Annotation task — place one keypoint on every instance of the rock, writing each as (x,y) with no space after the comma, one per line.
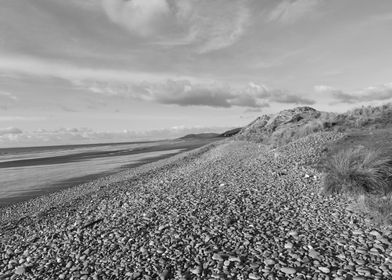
(374,233)
(197,270)
(20,270)
(234,259)
(254,276)
(288,245)
(217,257)
(288,270)
(314,254)
(269,262)
(324,269)
(164,275)
(293,233)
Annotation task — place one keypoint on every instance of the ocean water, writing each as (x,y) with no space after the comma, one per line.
(30,172)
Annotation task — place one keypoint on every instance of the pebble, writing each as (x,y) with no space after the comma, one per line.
(20,270)
(174,216)
(269,262)
(288,270)
(374,233)
(324,269)
(217,257)
(314,254)
(254,276)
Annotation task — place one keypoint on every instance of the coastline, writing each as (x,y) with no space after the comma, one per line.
(61,195)
(136,157)
(227,210)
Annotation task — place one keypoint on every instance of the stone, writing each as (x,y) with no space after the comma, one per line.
(254,276)
(288,270)
(314,254)
(217,257)
(197,270)
(269,262)
(20,270)
(324,269)
(374,233)
(288,245)
(234,259)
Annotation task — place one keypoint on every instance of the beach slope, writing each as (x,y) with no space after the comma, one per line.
(228,210)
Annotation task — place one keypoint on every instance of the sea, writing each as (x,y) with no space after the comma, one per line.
(29,172)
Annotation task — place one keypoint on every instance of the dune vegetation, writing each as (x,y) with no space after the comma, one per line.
(358,166)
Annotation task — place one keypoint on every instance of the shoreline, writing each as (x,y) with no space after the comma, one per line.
(61,195)
(227,210)
(56,186)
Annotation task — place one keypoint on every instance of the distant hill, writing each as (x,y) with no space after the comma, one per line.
(211,135)
(200,136)
(287,125)
(231,132)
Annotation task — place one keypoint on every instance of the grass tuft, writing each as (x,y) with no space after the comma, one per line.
(377,208)
(359,171)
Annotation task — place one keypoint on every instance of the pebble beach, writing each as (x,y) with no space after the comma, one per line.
(228,210)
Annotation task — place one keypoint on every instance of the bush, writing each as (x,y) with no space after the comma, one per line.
(358,171)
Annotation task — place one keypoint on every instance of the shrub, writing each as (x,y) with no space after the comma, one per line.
(358,171)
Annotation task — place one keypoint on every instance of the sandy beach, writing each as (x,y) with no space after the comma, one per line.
(228,210)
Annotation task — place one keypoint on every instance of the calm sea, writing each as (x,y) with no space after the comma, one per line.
(30,172)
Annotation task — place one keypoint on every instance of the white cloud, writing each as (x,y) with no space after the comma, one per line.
(8,95)
(204,24)
(290,11)
(19,118)
(28,65)
(188,93)
(139,16)
(13,137)
(10,131)
(372,93)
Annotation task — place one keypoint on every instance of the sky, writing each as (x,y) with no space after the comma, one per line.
(80,71)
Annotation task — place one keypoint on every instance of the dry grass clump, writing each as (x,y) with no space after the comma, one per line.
(377,208)
(366,116)
(323,122)
(359,171)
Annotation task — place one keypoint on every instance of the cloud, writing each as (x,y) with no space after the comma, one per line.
(188,93)
(290,11)
(204,24)
(20,118)
(372,93)
(139,16)
(11,64)
(289,98)
(8,95)
(10,131)
(13,137)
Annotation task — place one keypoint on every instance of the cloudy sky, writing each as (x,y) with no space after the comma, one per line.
(89,70)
